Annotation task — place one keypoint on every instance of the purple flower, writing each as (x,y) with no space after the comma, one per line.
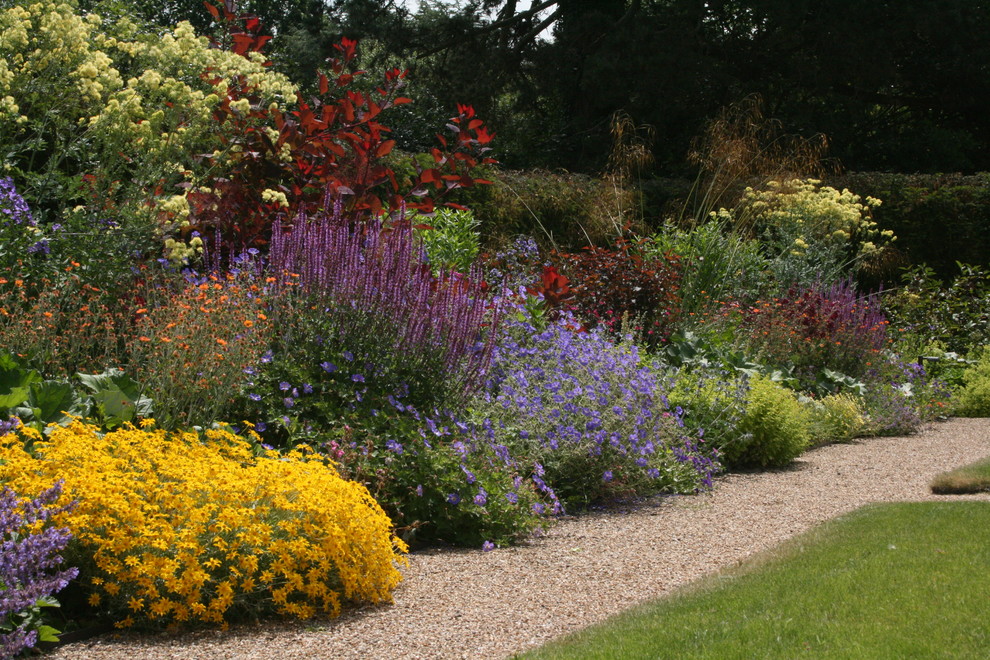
(357,378)
(27,562)
(260,427)
(254,396)
(512,497)
(328,367)
(267,357)
(487,546)
(307,388)
(607,476)
(284,386)
(454,498)
(40,247)
(288,402)
(394,446)
(481,499)
(419,490)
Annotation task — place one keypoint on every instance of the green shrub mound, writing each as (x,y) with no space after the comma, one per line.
(776,424)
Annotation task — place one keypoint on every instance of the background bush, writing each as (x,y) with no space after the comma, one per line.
(940,219)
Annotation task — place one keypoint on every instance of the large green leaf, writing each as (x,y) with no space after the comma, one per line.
(116,397)
(15,380)
(54,401)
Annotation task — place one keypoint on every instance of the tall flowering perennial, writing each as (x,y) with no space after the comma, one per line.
(191,342)
(819,327)
(594,419)
(811,232)
(443,321)
(29,559)
(174,528)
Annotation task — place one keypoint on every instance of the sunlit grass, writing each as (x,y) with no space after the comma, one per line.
(886,581)
(972,478)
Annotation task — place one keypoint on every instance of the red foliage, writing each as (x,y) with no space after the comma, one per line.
(336,146)
(611,284)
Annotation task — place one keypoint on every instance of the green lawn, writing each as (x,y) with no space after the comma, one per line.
(972,478)
(886,581)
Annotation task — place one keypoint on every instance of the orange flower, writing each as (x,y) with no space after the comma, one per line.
(142,338)
(248,323)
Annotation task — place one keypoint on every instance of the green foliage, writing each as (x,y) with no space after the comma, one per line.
(717,266)
(776,425)
(714,402)
(953,316)
(111,399)
(451,241)
(973,398)
(561,210)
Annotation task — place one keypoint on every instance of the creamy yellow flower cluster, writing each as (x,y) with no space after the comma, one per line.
(816,213)
(134,98)
(182,527)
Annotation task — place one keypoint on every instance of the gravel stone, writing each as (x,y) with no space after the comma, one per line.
(465,603)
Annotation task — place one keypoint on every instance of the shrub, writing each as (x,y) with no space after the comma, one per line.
(62,329)
(901,396)
(378,301)
(918,208)
(954,315)
(591,419)
(775,424)
(973,398)
(126,108)
(29,557)
(567,210)
(450,239)
(613,288)
(182,528)
(837,418)
(372,346)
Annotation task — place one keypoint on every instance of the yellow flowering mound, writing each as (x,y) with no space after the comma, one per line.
(180,528)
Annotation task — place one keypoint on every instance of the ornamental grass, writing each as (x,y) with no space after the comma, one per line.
(183,527)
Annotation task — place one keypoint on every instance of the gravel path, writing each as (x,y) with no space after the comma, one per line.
(470,604)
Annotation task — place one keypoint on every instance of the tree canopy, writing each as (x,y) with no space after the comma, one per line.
(894,86)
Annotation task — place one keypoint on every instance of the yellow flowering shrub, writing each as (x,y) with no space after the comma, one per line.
(807,226)
(126,105)
(174,528)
